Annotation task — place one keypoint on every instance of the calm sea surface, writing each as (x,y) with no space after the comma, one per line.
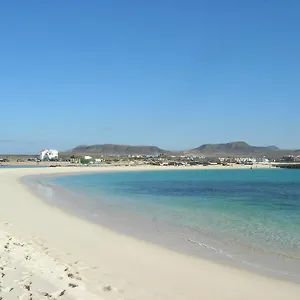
(249,217)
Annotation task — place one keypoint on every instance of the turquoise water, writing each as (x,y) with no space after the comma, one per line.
(249,215)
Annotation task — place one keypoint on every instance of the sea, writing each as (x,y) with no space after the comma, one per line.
(247,218)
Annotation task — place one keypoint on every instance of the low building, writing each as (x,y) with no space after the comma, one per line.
(48,154)
(262,160)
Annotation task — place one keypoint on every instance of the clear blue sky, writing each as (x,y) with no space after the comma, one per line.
(170,73)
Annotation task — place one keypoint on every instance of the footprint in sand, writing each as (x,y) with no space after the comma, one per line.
(28,286)
(107,288)
(70,275)
(54,295)
(8,289)
(58,294)
(45,294)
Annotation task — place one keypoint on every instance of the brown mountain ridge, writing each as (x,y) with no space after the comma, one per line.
(239,148)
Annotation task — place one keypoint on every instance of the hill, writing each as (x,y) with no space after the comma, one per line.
(114,150)
(272,147)
(239,148)
(233,149)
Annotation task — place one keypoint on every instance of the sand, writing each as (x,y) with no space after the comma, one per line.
(46,253)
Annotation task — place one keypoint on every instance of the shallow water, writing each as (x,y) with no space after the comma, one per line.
(248,218)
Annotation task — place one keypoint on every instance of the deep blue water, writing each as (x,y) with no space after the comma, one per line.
(255,209)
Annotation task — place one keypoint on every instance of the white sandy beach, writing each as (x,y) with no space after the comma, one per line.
(49,254)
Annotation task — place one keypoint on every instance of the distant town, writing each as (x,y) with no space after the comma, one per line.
(52,157)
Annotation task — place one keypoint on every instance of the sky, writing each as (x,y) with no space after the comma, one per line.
(170,73)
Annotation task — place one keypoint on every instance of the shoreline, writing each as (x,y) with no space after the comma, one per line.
(159,232)
(131,268)
(134,166)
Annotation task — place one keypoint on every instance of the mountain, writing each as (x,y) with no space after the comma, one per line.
(272,147)
(122,150)
(239,148)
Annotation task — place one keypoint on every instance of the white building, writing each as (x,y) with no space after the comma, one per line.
(49,154)
(263,161)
